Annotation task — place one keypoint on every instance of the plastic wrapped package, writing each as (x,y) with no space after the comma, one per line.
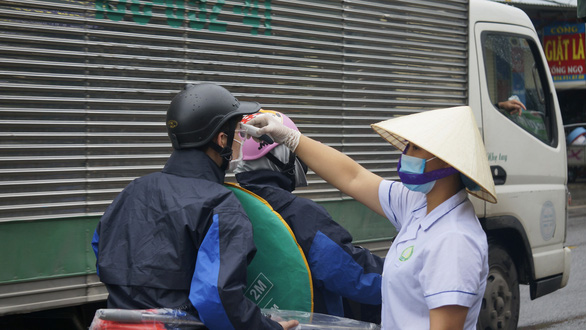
(168,319)
(317,321)
(145,319)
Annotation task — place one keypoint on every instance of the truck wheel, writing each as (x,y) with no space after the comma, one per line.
(500,305)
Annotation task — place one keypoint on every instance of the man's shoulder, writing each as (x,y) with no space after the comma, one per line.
(165,184)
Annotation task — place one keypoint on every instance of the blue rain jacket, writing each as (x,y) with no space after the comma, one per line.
(338,268)
(179,239)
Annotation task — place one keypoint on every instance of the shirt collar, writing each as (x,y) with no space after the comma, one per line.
(443,209)
(264,178)
(409,232)
(193,163)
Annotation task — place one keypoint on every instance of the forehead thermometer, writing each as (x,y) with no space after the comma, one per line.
(253,131)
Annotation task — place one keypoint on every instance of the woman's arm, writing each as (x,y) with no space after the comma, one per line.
(449,317)
(341,171)
(333,166)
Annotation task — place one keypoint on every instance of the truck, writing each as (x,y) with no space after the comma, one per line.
(85,84)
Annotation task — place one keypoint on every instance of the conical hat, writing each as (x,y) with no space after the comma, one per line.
(450,134)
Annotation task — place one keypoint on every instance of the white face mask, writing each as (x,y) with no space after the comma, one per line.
(236,161)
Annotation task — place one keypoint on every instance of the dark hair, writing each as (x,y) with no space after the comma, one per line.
(225,128)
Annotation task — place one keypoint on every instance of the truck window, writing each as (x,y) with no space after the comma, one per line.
(514,70)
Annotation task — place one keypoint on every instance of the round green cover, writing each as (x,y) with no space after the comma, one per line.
(278,276)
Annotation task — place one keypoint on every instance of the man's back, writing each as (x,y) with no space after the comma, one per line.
(150,235)
(179,239)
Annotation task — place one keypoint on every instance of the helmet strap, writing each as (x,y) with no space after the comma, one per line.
(287,169)
(226,152)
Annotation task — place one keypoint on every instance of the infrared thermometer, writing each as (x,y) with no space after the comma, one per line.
(253,131)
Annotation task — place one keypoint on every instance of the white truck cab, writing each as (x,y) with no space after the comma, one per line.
(527,154)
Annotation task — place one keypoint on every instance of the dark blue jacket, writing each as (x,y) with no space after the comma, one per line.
(179,239)
(339,268)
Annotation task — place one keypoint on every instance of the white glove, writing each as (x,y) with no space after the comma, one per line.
(276,130)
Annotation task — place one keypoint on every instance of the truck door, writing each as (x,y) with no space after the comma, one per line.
(526,152)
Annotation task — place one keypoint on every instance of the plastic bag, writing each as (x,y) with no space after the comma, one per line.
(144,319)
(317,321)
(166,319)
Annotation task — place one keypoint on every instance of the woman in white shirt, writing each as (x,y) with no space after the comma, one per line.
(435,271)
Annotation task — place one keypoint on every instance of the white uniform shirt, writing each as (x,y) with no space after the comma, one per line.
(436,260)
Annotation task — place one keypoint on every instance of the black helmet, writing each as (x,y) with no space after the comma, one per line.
(197,113)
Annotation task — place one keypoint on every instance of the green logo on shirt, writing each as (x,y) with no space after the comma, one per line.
(406,254)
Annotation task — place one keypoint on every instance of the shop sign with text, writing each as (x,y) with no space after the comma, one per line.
(564,48)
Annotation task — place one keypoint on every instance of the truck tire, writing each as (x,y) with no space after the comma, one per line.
(500,305)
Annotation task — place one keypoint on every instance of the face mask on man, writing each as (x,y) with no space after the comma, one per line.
(412,173)
(234,162)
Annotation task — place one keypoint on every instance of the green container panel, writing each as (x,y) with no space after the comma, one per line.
(44,249)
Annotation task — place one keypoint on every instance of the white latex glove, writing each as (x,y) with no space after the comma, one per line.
(276,130)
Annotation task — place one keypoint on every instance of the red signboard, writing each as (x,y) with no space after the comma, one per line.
(564,48)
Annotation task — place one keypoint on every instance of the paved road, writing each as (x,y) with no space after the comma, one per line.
(564,309)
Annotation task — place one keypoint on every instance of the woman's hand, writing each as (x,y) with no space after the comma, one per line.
(276,130)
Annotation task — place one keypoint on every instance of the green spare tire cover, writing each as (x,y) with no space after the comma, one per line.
(278,276)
